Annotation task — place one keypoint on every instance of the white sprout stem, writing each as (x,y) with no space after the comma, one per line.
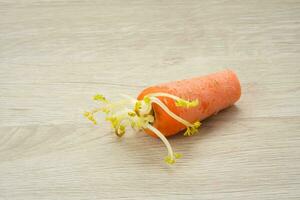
(162,94)
(146,110)
(163,139)
(169,112)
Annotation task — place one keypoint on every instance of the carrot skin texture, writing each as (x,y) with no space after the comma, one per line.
(214,92)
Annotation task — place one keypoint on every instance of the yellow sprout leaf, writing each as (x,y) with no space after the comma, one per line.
(186,104)
(147,100)
(120,131)
(191,130)
(90,117)
(177,155)
(100,97)
(169,160)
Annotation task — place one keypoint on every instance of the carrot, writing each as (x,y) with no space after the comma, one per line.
(169,108)
(214,93)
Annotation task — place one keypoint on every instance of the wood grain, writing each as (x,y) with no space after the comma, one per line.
(54,55)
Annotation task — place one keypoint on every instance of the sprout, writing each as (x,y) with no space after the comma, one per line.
(139,115)
(178,155)
(169,112)
(178,101)
(100,97)
(171,160)
(191,130)
(186,104)
(116,124)
(105,110)
(90,117)
(132,114)
(120,131)
(147,100)
(86,114)
(114,121)
(137,107)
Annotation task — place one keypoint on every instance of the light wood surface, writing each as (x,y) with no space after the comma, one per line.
(55,55)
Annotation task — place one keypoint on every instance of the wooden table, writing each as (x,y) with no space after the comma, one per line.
(55,55)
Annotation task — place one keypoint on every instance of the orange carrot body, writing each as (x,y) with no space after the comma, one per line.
(214,92)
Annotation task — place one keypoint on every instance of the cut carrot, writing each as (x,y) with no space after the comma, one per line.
(214,93)
(169,108)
